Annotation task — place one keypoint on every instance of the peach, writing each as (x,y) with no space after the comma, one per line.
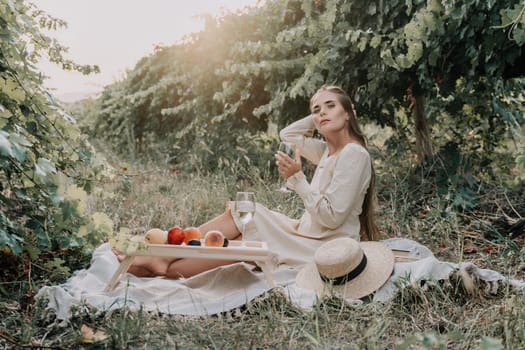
(175,235)
(156,236)
(214,238)
(191,233)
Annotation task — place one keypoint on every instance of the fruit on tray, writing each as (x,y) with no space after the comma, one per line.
(176,235)
(156,236)
(192,233)
(214,238)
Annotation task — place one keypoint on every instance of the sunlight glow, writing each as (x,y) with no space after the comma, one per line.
(115,34)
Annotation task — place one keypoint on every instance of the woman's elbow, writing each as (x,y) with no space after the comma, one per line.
(284,135)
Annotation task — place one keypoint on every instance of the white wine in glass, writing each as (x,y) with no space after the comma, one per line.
(244,206)
(288,149)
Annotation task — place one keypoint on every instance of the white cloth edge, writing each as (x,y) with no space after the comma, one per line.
(214,294)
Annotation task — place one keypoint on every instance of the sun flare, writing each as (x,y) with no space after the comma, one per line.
(125,31)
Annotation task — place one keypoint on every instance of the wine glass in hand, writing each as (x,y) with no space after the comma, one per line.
(244,206)
(288,149)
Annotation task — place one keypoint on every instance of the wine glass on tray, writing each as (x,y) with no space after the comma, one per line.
(244,206)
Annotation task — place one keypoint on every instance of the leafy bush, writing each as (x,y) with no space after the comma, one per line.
(47,167)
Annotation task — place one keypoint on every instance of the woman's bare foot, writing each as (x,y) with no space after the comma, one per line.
(118,254)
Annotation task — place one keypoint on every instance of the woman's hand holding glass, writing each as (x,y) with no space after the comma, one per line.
(288,162)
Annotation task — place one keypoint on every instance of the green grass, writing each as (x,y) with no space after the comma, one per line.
(436,315)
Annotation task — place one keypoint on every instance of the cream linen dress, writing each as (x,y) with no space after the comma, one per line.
(332,200)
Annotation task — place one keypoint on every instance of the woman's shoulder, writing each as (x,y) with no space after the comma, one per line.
(354,158)
(355,149)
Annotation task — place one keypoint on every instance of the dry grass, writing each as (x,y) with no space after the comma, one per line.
(418,318)
(435,315)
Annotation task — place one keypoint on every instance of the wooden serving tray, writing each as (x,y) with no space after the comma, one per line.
(236,250)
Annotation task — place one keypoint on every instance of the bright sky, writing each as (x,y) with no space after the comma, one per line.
(115,34)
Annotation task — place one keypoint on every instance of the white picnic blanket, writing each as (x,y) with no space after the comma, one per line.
(211,292)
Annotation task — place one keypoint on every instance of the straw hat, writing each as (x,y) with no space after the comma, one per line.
(348,268)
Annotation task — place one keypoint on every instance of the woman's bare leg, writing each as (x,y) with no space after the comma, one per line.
(146,266)
(223,223)
(151,266)
(190,267)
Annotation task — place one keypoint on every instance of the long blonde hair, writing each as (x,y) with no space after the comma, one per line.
(369,230)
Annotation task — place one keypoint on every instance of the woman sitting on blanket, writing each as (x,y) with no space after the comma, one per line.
(338,202)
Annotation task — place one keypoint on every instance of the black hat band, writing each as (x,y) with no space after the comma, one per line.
(349,276)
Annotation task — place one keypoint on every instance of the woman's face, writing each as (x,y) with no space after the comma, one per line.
(329,116)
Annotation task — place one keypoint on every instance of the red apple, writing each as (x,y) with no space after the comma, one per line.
(191,233)
(175,235)
(214,238)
